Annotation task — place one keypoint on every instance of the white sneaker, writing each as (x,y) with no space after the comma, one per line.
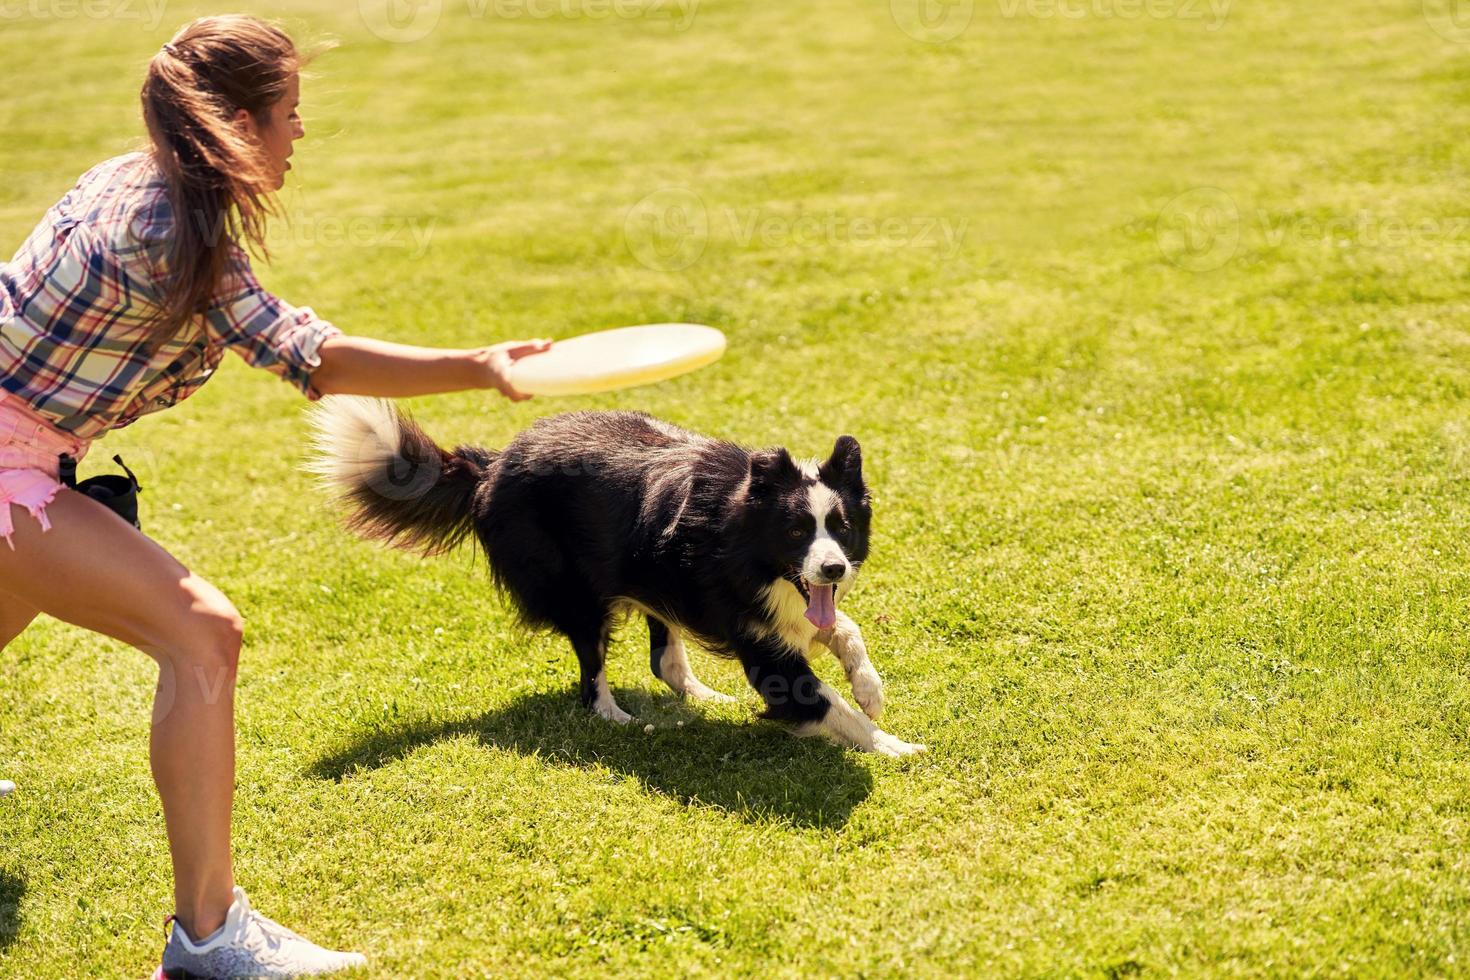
(249,945)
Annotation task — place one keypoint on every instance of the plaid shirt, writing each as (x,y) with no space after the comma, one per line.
(76,300)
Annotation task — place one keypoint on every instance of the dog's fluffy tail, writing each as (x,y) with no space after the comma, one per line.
(401,488)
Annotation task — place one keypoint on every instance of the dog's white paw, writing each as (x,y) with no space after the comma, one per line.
(612,713)
(895,747)
(867,689)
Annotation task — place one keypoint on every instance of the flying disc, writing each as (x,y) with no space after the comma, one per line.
(621,358)
(6,787)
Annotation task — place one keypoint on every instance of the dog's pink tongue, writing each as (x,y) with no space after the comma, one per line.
(821,610)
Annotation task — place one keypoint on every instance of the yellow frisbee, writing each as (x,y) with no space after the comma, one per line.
(622,358)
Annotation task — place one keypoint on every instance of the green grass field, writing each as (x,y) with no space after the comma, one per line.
(1152,320)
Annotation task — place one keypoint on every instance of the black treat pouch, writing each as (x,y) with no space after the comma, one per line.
(114,491)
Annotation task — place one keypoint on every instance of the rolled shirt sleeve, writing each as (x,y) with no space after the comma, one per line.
(264,330)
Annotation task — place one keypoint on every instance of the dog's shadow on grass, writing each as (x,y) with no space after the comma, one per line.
(12,888)
(757,772)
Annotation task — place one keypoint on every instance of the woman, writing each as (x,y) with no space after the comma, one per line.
(119,304)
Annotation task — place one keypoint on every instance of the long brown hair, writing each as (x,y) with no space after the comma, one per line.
(220,184)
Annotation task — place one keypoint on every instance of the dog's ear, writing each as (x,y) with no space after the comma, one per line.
(771,468)
(844,468)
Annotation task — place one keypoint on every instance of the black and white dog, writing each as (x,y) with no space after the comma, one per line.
(589,514)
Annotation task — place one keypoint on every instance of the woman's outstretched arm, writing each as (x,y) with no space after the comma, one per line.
(363,366)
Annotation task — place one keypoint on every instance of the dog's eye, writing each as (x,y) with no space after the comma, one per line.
(796,533)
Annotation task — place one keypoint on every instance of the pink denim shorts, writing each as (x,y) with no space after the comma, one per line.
(30,451)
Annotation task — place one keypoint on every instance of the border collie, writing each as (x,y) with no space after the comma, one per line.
(590,514)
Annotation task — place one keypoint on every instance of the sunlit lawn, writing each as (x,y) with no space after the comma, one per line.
(1152,325)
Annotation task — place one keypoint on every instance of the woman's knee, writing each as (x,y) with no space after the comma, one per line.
(206,667)
(225,632)
(209,634)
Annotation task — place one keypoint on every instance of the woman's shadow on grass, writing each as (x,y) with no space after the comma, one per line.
(12,888)
(756,772)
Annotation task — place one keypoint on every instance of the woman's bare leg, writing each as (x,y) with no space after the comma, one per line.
(95,570)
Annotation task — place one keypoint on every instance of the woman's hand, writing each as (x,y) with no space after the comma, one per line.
(495,362)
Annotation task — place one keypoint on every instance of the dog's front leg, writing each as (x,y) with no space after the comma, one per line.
(796,696)
(845,641)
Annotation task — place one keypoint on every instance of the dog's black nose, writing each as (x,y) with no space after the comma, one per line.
(834,569)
